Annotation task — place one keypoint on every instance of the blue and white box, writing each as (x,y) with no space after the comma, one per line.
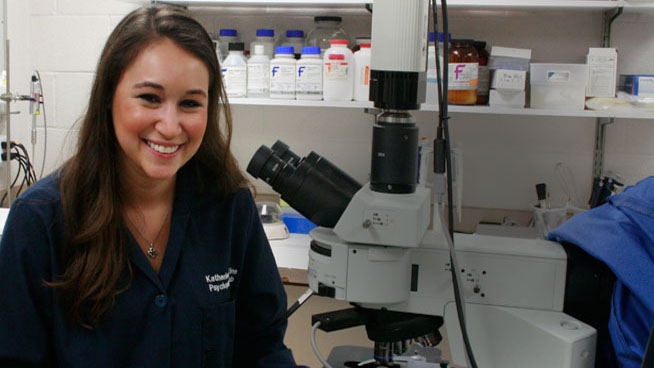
(641,85)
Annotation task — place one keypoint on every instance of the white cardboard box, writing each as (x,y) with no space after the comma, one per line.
(514,80)
(602,72)
(509,58)
(506,98)
(511,52)
(558,86)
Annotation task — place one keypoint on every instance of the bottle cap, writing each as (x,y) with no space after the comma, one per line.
(441,37)
(265,33)
(227,32)
(236,46)
(338,42)
(365,45)
(431,36)
(294,33)
(311,50)
(480,44)
(284,50)
(463,41)
(327,19)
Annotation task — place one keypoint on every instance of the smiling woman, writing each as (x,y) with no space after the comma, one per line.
(159,113)
(145,248)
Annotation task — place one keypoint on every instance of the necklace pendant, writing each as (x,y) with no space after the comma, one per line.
(152,252)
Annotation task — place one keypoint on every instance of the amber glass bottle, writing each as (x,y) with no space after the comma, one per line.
(463,73)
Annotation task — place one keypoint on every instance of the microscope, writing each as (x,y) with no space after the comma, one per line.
(373,249)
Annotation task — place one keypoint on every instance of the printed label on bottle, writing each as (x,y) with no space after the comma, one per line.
(484,81)
(258,81)
(309,80)
(235,78)
(282,79)
(336,70)
(463,76)
(336,57)
(365,75)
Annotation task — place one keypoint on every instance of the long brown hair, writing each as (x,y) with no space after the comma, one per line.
(94,256)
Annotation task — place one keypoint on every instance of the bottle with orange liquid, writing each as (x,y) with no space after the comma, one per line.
(463,72)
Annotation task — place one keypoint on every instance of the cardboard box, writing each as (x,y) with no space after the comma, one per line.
(504,98)
(602,72)
(511,52)
(558,86)
(514,80)
(509,58)
(641,85)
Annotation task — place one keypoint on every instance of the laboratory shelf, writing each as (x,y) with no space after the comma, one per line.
(638,7)
(270,3)
(299,103)
(451,108)
(645,7)
(542,112)
(479,4)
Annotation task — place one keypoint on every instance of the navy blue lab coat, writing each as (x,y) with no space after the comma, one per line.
(212,304)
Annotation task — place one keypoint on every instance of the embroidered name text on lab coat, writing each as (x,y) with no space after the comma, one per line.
(221,281)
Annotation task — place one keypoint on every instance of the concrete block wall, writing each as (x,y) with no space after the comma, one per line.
(66,39)
(504,155)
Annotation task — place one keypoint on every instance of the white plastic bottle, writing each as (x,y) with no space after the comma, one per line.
(234,70)
(294,38)
(282,74)
(362,73)
(226,36)
(338,74)
(265,37)
(308,79)
(432,82)
(258,77)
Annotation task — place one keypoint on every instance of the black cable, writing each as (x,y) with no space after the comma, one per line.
(23,167)
(23,163)
(24,157)
(2,201)
(30,167)
(303,298)
(443,134)
(439,81)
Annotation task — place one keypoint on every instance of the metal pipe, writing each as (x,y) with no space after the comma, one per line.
(608,22)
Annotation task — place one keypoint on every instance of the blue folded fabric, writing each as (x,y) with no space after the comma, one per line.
(620,233)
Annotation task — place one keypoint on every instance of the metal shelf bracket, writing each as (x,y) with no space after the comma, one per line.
(609,17)
(600,140)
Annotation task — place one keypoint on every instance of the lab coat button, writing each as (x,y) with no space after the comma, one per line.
(161,301)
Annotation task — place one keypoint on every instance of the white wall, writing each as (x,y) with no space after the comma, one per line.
(504,155)
(65,42)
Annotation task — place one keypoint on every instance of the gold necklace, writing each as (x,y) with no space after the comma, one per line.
(152,252)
